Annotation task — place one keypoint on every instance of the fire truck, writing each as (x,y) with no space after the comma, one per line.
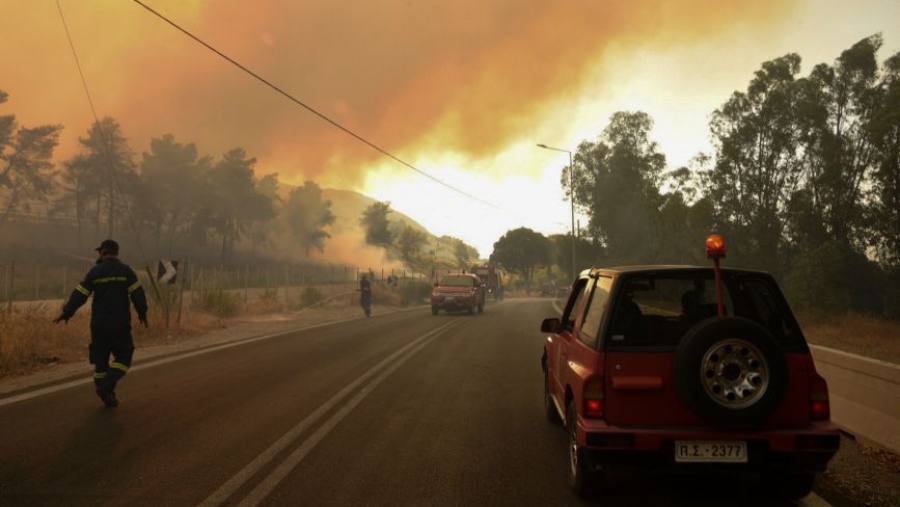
(492,278)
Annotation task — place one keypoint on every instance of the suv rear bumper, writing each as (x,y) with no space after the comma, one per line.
(456,304)
(791,450)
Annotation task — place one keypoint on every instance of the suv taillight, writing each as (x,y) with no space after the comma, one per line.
(593,399)
(593,408)
(820,408)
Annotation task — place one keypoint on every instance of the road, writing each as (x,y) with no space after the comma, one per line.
(401,409)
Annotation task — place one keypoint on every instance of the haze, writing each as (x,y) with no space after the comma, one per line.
(462,91)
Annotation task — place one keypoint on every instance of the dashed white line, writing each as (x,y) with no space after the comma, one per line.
(380,371)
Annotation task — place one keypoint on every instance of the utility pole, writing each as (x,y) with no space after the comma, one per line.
(572,199)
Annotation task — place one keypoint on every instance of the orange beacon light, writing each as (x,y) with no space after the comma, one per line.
(715,250)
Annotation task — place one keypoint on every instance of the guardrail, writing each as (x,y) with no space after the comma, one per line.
(864,394)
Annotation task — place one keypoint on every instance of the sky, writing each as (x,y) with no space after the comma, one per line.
(436,107)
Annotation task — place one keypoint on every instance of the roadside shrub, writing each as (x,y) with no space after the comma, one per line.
(831,278)
(269,300)
(385,297)
(218,302)
(310,297)
(414,293)
(162,294)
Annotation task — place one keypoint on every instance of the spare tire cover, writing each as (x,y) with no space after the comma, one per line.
(730,371)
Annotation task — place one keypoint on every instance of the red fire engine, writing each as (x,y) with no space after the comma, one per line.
(492,278)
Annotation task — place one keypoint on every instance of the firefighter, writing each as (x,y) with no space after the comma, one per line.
(113,284)
(365,296)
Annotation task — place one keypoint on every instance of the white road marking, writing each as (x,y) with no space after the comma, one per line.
(814,500)
(380,371)
(47,390)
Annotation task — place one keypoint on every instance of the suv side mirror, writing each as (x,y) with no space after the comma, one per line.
(551,325)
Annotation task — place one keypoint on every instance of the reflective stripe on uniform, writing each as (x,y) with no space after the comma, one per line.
(108,279)
(80,288)
(99,375)
(119,366)
(134,286)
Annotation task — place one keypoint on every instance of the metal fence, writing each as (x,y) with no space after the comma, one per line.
(23,282)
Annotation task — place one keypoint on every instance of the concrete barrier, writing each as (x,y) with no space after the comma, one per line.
(864,394)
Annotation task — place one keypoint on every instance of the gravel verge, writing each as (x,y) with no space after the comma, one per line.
(861,474)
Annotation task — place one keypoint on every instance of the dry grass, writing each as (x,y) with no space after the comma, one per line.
(856,333)
(30,341)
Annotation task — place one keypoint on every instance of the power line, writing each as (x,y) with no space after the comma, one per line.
(310,108)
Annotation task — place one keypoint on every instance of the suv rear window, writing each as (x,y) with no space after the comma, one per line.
(590,329)
(658,308)
(457,281)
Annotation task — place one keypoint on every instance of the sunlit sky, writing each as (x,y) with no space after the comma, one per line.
(462,91)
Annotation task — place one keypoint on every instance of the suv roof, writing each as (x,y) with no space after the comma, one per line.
(663,268)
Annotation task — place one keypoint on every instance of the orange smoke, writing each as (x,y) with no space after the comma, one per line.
(476,75)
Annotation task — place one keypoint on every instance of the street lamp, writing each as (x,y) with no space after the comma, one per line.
(572,195)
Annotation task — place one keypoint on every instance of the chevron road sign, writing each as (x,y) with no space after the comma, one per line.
(167,272)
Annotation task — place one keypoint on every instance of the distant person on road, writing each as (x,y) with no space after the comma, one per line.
(113,285)
(365,296)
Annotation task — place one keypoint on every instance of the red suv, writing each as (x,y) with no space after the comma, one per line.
(687,369)
(458,292)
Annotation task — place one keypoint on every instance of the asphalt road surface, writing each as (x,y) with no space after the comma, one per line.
(401,409)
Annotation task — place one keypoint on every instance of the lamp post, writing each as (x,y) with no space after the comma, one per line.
(572,198)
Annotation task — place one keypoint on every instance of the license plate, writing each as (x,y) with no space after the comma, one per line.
(717,451)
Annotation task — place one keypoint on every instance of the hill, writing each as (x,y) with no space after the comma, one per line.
(346,244)
(348,206)
(347,235)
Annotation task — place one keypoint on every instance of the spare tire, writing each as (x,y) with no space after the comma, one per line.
(730,371)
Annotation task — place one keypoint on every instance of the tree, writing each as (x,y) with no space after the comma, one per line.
(616,183)
(26,170)
(687,216)
(521,251)
(375,223)
(588,254)
(102,177)
(307,215)
(409,245)
(804,227)
(757,169)
(234,202)
(834,112)
(883,211)
(462,253)
(263,232)
(173,178)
